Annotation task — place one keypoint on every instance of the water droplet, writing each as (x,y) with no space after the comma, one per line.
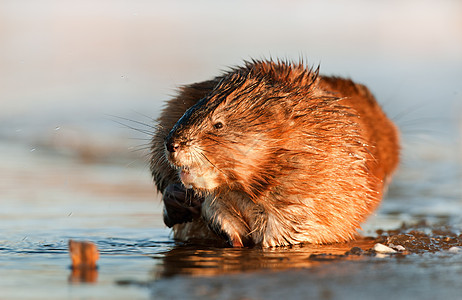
(57,128)
(32,150)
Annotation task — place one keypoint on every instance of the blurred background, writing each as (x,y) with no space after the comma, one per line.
(72,71)
(71,64)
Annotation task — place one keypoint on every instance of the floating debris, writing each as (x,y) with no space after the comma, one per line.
(84,256)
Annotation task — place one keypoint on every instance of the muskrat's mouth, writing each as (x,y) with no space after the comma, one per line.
(197,177)
(187,177)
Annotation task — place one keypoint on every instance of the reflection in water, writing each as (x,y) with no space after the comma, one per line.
(83,275)
(208,261)
(319,272)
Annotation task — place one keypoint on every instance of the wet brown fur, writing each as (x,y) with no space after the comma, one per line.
(300,157)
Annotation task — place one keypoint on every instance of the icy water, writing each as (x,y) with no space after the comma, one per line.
(71,72)
(49,197)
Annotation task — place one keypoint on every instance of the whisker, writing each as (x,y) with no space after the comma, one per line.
(134,121)
(406,112)
(214,199)
(133,162)
(144,131)
(143,115)
(422,131)
(145,144)
(420,122)
(208,160)
(140,139)
(197,156)
(140,149)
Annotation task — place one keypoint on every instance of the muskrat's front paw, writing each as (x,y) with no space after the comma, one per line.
(180,205)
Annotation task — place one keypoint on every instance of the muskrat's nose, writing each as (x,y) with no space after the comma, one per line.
(172,146)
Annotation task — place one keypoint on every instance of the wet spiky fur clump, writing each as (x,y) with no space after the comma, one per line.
(276,154)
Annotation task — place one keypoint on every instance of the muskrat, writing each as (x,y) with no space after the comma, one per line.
(272,153)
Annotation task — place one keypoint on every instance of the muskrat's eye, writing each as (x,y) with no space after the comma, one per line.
(218,125)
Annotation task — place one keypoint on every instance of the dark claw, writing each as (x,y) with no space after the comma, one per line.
(180,205)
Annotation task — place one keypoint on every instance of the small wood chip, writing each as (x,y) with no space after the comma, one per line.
(83,254)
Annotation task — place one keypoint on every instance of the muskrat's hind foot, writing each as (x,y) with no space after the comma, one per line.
(180,205)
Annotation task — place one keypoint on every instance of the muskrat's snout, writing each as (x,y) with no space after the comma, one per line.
(177,150)
(172,142)
(193,167)
(172,146)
